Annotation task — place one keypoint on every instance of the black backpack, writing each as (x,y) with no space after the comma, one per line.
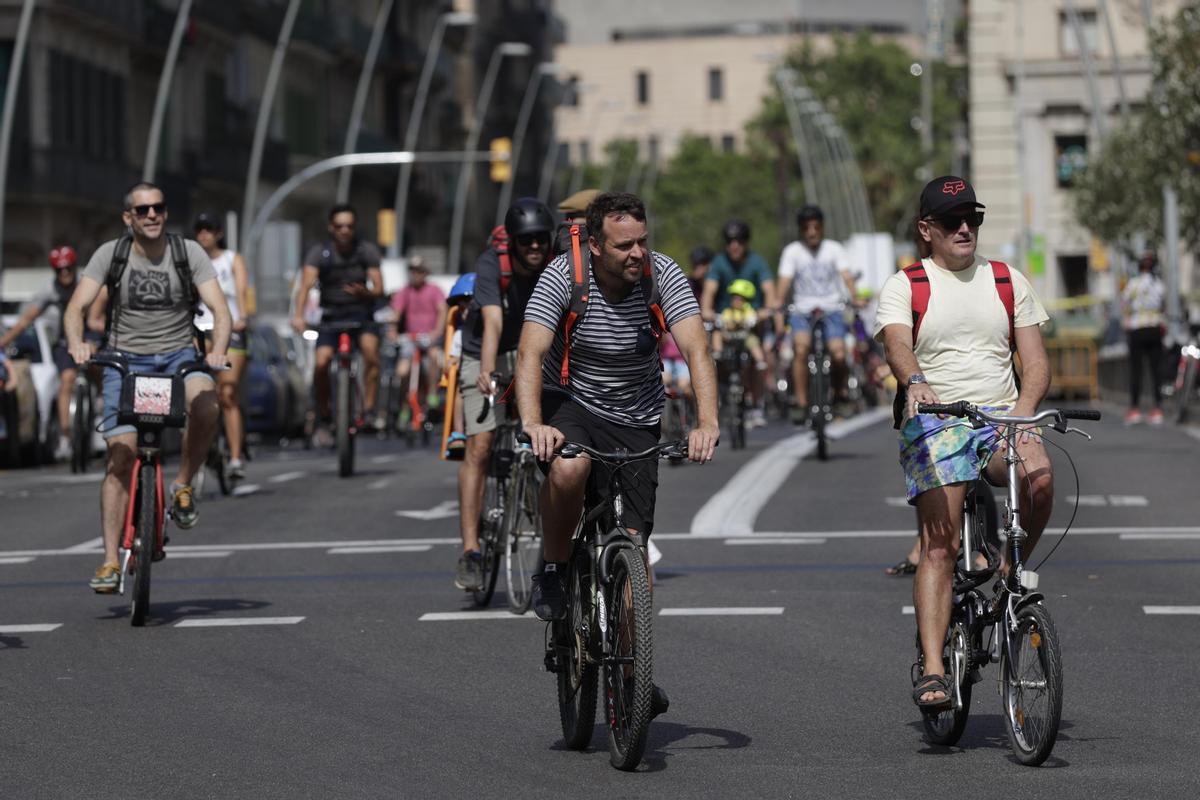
(120,261)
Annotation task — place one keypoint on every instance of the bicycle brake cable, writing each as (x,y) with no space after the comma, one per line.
(1074,512)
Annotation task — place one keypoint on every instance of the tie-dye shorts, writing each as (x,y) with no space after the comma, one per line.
(937,452)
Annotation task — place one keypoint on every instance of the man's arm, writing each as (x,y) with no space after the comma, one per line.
(531,353)
(897,345)
(81,298)
(375,280)
(214,298)
(1035,370)
(770,299)
(241,283)
(493,324)
(97,318)
(24,321)
(308,279)
(690,338)
(708,299)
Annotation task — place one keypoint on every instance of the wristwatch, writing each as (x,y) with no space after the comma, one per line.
(915,378)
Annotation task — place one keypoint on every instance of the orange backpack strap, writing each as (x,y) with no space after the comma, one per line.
(579,258)
(1004,288)
(653,298)
(919,282)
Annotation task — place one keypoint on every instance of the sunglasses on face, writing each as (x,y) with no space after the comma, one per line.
(953,222)
(528,239)
(144,210)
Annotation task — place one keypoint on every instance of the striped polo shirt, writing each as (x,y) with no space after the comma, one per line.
(614,369)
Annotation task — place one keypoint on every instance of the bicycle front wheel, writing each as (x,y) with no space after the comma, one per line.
(577,673)
(629,661)
(490,535)
(144,543)
(345,439)
(523,538)
(1031,671)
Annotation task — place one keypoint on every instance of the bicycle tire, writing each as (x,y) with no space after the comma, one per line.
(1032,743)
(144,543)
(345,439)
(577,674)
(523,539)
(81,428)
(219,461)
(1186,390)
(946,727)
(490,531)
(628,688)
(816,403)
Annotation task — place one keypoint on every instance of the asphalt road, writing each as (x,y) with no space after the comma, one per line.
(348,692)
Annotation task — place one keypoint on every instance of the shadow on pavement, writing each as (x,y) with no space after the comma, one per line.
(166,613)
(665,734)
(10,642)
(988,731)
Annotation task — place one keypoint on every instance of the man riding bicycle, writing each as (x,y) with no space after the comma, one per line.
(347,270)
(420,319)
(950,325)
(604,389)
(490,338)
(816,270)
(152,298)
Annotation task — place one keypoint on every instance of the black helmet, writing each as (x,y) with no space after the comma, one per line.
(528,215)
(808,213)
(736,229)
(701,255)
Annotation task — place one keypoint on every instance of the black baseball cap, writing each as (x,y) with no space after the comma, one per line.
(208,221)
(945,194)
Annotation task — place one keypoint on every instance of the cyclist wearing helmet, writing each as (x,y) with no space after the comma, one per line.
(701,258)
(739,261)
(815,271)
(740,321)
(51,302)
(459,300)
(490,338)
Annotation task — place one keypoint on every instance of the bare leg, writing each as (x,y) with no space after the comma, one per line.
(800,345)
(368,343)
(66,388)
(562,503)
(472,474)
(838,369)
(114,492)
(939,514)
(321,361)
(201,427)
(227,389)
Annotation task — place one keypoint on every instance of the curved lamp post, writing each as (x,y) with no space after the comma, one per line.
(360,94)
(523,116)
(164,88)
(10,108)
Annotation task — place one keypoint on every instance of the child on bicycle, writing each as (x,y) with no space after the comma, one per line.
(739,320)
(459,301)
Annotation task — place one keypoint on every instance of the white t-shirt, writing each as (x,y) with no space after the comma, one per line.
(223,264)
(817,280)
(962,347)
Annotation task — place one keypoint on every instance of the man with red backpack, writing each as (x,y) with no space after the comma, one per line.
(950,325)
(505,276)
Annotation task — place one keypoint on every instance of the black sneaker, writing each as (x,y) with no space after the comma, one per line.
(549,596)
(469,575)
(658,700)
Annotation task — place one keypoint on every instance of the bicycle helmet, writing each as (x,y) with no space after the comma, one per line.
(736,230)
(528,215)
(808,213)
(463,289)
(742,288)
(701,255)
(62,257)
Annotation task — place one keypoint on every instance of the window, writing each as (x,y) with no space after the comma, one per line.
(643,88)
(87,109)
(1068,45)
(1073,272)
(1070,156)
(728,143)
(716,84)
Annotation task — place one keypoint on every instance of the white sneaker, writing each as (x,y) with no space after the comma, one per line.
(63,451)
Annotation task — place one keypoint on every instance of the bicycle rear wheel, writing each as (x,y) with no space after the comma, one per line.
(144,542)
(342,420)
(577,672)
(817,399)
(1186,389)
(523,538)
(1031,674)
(629,661)
(490,544)
(946,727)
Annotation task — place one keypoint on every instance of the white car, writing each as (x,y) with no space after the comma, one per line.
(34,345)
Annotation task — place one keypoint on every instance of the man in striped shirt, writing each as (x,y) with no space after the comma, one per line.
(613,396)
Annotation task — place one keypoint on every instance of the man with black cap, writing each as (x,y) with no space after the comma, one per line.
(950,325)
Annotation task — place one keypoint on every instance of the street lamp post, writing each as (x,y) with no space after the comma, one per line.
(360,94)
(400,204)
(10,108)
(164,88)
(514,49)
(528,101)
(786,79)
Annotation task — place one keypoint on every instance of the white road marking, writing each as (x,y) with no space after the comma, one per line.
(284,477)
(235,622)
(174,554)
(898,502)
(909,610)
(395,548)
(732,611)
(87,477)
(41,627)
(775,540)
(733,509)
(1192,431)
(1128,500)
(16,560)
(384,459)
(1094,500)
(456,616)
(381,483)
(1172,610)
(95,543)
(245,489)
(1158,536)
(443,510)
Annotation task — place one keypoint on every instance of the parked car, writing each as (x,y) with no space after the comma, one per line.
(18,416)
(274,390)
(33,348)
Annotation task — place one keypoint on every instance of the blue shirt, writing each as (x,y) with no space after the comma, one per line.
(753,269)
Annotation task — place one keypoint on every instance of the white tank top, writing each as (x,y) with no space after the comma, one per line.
(223,264)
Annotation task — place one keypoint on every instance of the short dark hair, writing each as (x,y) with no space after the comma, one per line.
(612,203)
(342,208)
(141,186)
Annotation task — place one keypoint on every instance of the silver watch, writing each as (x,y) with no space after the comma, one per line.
(916,378)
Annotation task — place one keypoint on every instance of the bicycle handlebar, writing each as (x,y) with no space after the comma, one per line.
(488,400)
(670,450)
(969,411)
(121,365)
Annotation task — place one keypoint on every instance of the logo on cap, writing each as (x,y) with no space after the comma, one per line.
(953,187)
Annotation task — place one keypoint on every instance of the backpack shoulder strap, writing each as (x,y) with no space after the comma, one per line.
(183,267)
(652,295)
(116,271)
(919,282)
(1004,288)
(579,258)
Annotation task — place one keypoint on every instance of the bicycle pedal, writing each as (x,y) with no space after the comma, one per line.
(551,662)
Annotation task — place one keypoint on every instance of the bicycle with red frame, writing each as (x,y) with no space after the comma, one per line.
(151,402)
(347,400)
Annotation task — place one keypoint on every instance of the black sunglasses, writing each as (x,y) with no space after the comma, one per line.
(144,210)
(527,239)
(953,222)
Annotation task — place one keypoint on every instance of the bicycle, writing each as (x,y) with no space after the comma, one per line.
(820,388)
(732,363)
(151,402)
(609,619)
(83,421)
(418,422)
(347,399)
(1184,389)
(511,522)
(1023,637)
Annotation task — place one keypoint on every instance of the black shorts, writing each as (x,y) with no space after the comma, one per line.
(328,336)
(639,480)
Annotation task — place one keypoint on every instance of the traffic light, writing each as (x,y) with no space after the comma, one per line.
(501,150)
(385,226)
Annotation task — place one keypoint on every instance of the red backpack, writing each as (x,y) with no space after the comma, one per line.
(919,282)
(580,258)
(499,244)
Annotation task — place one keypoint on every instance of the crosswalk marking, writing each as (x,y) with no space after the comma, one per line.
(39,627)
(1171,610)
(234,622)
(456,616)
(394,548)
(730,611)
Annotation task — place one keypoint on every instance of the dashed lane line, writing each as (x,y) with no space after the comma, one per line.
(284,477)
(776,540)
(380,483)
(16,560)
(177,554)
(245,489)
(460,616)
(731,611)
(235,622)
(396,548)
(40,627)
(1171,610)
(908,610)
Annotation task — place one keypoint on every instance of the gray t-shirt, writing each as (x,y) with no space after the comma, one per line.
(50,303)
(153,316)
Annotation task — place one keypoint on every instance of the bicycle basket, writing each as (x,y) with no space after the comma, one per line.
(152,399)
